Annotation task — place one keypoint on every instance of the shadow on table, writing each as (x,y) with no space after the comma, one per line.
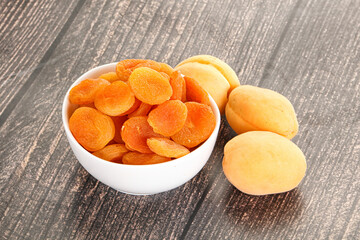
(263,211)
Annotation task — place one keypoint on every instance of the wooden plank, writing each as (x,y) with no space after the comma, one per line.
(29,31)
(316,65)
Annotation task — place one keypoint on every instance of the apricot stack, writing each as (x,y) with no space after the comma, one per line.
(144,112)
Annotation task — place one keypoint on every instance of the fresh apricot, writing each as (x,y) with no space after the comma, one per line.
(134,133)
(91,128)
(118,122)
(253,108)
(168,118)
(206,60)
(167,148)
(177,83)
(110,76)
(135,158)
(114,99)
(84,93)
(199,124)
(261,162)
(124,68)
(195,93)
(150,86)
(112,153)
(142,110)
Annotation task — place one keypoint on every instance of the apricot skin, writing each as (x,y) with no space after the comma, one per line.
(112,152)
(149,86)
(200,123)
(261,163)
(257,109)
(84,93)
(91,128)
(210,79)
(220,65)
(135,158)
(168,118)
(114,99)
(167,148)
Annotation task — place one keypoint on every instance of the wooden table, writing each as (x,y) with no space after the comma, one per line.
(308,51)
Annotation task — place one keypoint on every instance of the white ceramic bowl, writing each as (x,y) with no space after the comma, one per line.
(138,179)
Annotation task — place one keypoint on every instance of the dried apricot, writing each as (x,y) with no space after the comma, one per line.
(118,122)
(200,123)
(142,110)
(165,75)
(134,158)
(91,128)
(134,133)
(124,68)
(133,108)
(91,105)
(166,69)
(85,91)
(177,83)
(167,148)
(149,86)
(195,93)
(110,76)
(114,99)
(112,153)
(168,118)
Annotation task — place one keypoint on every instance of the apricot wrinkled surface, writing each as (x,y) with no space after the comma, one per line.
(91,128)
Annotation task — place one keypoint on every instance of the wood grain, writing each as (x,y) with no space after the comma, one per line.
(306,50)
(29,31)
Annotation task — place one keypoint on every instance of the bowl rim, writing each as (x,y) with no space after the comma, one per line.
(71,138)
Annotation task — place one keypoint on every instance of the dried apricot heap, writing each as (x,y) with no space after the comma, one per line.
(144,112)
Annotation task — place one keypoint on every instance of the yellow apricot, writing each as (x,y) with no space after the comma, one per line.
(260,163)
(209,79)
(220,65)
(258,109)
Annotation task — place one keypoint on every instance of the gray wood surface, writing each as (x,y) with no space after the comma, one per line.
(308,51)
